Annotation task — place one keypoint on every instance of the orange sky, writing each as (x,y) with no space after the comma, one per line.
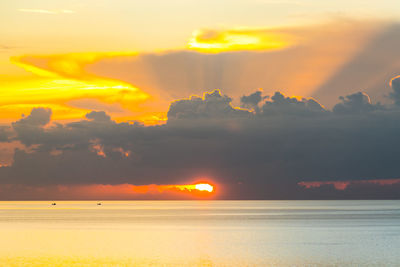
(132,59)
(200,190)
(48,46)
(73,84)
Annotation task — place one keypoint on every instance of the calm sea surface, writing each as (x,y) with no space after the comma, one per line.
(200,233)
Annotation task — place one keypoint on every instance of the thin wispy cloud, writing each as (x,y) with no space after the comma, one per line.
(283,2)
(46,11)
(5,47)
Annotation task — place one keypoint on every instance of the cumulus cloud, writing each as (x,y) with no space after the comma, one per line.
(252,101)
(395,94)
(281,104)
(355,103)
(29,128)
(99,116)
(212,105)
(38,117)
(268,154)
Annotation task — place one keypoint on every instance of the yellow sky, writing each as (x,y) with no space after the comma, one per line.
(46,46)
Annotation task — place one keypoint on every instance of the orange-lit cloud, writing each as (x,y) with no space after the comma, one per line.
(239,60)
(98,148)
(343,185)
(214,41)
(296,60)
(119,191)
(60,82)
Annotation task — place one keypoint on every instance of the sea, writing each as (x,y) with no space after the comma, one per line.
(200,233)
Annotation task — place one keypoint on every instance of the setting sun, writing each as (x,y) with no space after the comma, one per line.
(199,133)
(204,187)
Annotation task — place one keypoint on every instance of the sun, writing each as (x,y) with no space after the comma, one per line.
(204,187)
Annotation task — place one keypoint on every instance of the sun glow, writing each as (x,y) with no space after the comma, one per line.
(204,187)
(216,41)
(201,190)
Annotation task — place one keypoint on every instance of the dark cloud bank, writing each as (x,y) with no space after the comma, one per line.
(261,152)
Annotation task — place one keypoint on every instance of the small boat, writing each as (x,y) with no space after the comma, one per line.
(99,204)
(53,204)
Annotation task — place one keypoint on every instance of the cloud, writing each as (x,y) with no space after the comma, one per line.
(29,128)
(380,189)
(6,47)
(46,11)
(38,117)
(252,101)
(128,85)
(395,94)
(71,91)
(4,133)
(343,185)
(251,155)
(213,41)
(283,2)
(281,104)
(212,105)
(98,116)
(355,103)
(310,66)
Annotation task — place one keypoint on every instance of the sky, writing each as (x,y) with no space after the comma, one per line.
(264,99)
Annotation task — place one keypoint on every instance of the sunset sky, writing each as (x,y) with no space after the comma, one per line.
(161,93)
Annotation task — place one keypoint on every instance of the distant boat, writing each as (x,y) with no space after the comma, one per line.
(53,204)
(98,204)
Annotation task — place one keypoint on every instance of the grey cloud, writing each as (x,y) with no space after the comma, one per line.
(395,94)
(260,155)
(283,105)
(29,129)
(38,117)
(212,105)
(355,103)
(252,101)
(99,116)
(4,132)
